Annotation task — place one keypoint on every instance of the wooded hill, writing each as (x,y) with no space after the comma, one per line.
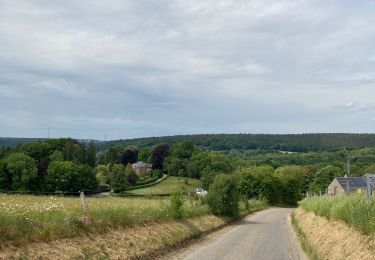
(223,142)
(285,142)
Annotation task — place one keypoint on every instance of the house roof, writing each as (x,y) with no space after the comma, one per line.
(141,164)
(356,182)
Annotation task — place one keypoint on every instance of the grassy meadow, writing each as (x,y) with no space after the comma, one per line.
(168,185)
(355,210)
(26,218)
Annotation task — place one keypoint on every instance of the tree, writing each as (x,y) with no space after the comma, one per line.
(75,152)
(5,178)
(370,168)
(130,175)
(112,156)
(173,165)
(158,155)
(258,182)
(68,176)
(129,157)
(183,150)
(222,197)
(324,177)
(144,154)
(56,156)
(37,150)
(208,177)
(22,170)
(91,154)
(118,178)
(102,174)
(292,181)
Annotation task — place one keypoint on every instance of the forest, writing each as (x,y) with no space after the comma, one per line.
(279,142)
(226,142)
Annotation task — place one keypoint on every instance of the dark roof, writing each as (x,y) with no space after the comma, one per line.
(356,182)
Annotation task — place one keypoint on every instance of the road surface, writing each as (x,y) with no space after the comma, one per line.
(264,235)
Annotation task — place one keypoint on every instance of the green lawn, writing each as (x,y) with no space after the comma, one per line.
(168,185)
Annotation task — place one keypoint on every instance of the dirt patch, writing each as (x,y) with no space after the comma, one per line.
(130,243)
(334,239)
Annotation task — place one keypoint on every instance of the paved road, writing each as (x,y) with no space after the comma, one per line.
(264,235)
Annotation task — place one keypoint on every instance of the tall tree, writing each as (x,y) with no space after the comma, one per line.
(118,178)
(158,155)
(129,157)
(130,174)
(23,171)
(91,154)
(144,154)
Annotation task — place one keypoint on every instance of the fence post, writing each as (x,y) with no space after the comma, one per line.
(369,188)
(84,203)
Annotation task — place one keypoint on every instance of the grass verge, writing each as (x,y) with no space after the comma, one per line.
(355,210)
(332,239)
(311,252)
(146,240)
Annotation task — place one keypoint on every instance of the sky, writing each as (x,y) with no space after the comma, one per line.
(119,69)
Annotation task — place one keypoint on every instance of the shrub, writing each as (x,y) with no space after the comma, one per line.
(222,197)
(177,204)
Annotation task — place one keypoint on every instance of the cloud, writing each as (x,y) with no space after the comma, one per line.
(139,68)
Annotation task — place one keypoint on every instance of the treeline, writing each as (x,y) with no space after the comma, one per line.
(285,184)
(68,165)
(289,142)
(50,165)
(14,142)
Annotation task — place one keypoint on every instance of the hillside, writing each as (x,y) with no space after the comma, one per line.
(168,186)
(288,142)
(13,142)
(223,142)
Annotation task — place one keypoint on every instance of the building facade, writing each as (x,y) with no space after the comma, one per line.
(141,167)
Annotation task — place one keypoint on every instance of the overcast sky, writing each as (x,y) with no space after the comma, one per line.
(124,69)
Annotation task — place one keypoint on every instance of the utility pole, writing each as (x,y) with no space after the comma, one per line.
(48,133)
(347,163)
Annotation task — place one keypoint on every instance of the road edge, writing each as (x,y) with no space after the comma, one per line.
(295,249)
(179,249)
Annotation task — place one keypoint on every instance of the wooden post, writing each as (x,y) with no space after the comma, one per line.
(84,203)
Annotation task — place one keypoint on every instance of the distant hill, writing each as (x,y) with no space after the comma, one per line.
(224,142)
(13,142)
(285,142)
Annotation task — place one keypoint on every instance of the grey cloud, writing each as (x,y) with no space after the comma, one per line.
(139,68)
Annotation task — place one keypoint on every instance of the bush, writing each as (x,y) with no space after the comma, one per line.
(222,197)
(177,204)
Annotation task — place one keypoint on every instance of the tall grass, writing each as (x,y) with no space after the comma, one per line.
(356,210)
(25,218)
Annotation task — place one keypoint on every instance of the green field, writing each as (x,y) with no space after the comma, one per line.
(168,185)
